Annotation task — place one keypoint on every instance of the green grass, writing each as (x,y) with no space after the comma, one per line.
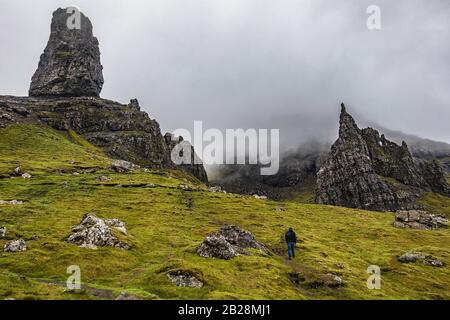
(37,149)
(167,223)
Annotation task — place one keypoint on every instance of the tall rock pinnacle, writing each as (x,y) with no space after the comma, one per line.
(70,64)
(347,178)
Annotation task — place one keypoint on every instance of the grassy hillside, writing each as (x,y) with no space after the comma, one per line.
(167,222)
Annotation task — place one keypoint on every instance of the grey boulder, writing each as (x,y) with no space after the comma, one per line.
(93,232)
(15,246)
(228,242)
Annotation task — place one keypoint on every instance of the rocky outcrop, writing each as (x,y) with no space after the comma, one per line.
(15,246)
(93,232)
(121,130)
(417,219)
(228,242)
(365,170)
(70,64)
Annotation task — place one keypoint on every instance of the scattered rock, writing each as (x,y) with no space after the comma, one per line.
(17,172)
(216,189)
(412,257)
(417,219)
(12,202)
(339,265)
(103,179)
(127,296)
(228,242)
(337,281)
(93,232)
(2,232)
(15,246)
(437,263)
(123,166)
(184,279)
(26,175)
(329,280)
(280,209)
(259,197)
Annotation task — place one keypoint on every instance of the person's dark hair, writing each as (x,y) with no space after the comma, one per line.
(290,229)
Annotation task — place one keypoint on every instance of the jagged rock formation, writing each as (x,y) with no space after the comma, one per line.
(64,95)
(70,64)
(365,170)
(347,177)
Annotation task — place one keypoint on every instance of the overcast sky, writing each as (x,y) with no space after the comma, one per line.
(256,63)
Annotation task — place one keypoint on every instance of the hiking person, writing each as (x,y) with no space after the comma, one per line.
(291,240)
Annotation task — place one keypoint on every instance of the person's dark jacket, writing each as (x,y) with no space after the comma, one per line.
(290,236)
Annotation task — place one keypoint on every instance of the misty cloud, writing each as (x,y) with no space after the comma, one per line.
(255,63)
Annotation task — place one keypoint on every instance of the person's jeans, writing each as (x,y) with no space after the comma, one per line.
(291,248)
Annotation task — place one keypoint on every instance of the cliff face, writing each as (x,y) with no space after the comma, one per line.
(365,170)
(123,131)
(64,95)
(70,65)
